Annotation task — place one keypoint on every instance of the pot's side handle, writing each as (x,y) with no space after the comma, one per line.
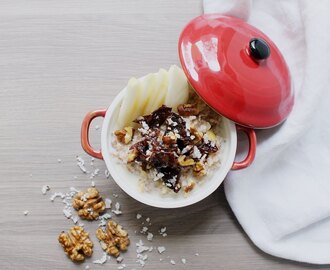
(252,149)
(85,132)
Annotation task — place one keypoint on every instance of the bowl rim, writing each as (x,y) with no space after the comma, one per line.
(138,195)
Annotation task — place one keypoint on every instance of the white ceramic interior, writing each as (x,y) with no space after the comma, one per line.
(128,181)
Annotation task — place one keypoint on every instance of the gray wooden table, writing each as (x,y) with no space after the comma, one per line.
(58,60)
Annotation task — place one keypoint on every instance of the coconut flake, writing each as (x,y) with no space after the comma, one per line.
(26,212)
(44,189)
(119,259)
(67,213)
(108,203)
(102,260)
(106,173)
(81,164)
(138,216)
(117,210)
(196,153)
(93,184)
(172,262)
(161,249)
(150,236)
(57,194)
(183,260)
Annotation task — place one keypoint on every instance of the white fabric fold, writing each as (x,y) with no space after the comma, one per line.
(283,200)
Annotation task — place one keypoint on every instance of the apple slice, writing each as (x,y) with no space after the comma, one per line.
(158,93)
(178,88)
(130,108)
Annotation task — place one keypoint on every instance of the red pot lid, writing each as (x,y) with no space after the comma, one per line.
(237,70)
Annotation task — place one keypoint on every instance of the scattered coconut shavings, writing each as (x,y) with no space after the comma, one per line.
(74,219)
(161,249)
(115,195)
(183,260)
(138,216)
(59,160)
(107,174)
(94,173)
(73,189)
(44,189)
(117,210)
(57,194)
(141,247)
(81,164)
(103,219)
(93,184)
(151,249)
(148,219)
(102,260)
(67,213)
(164,234)
(119,259)
(172,262)
(87,267)
(144,230)
(122,266)
(196,254)
(161,259)
(26,212)
(108,203)
(150,236)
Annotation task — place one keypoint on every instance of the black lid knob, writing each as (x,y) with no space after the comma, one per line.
(259,49)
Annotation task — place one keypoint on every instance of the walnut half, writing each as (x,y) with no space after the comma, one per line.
(113,238)
(124,135)
(89,204)
(76,243)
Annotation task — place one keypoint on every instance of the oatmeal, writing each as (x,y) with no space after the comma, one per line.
(172,148)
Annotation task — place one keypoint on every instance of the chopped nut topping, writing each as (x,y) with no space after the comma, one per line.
(183,161)
(76,243)
(89,204)
(199,169)
(125,135)
(188,109)
(189,187)
(132,155)
(198,135)
(113,239)
(170,138)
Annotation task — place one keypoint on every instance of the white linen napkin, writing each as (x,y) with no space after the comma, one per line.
(283,200)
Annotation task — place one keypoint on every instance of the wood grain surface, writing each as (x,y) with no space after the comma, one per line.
(58,60)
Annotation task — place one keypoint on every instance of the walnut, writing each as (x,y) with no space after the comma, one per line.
(198,135)
(76,243)
(113,239)
(169,138)
(189,187)
(199,169)
(132,155)
(89,204)
(183,161)
(124,135)
(188,109)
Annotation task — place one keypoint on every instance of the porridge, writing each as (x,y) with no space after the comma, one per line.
(172,149)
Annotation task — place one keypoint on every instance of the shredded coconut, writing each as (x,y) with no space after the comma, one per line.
(102,260)
(150,236)
(44,189)
(81,164)
(26,212)
(138,216)
(161,249)
(117,210)
(108,203)
(172,262)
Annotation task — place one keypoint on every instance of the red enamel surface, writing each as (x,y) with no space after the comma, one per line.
(214,54)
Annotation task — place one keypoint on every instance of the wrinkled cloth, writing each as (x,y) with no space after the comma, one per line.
(282,200)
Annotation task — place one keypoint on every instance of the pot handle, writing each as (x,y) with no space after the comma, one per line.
(252,148)
(85,133)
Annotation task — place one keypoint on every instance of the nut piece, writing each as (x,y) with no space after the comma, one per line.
(185,162)
(198,135)
(199,169)
(188,109)
(170,138)
(76,243)
(124,135)
(113,239)
(89,204)
(132,155)
(189,187)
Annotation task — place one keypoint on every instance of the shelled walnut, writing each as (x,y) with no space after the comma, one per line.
(76,243)
(89,204)
(199,169)
(124,135)
(113,238)
(188,109)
